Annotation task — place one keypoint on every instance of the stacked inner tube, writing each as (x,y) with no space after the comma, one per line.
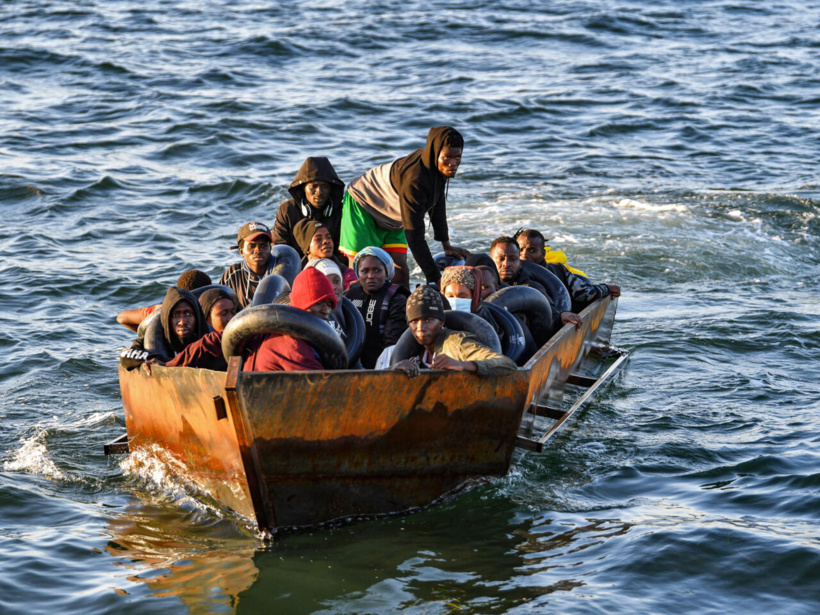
(532,304)
(285,320)
(513,340)
(559,295)
(286,262)
(407,346)
(270,287)
(351,320)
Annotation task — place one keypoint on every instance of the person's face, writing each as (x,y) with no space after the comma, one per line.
(321,246)
(532,249)
(317,193)
(322,309)
(256,252)
(456,290)
(426,330)
(221,313)
(507,261)
(372,274)
(337,284)
(488,286)
(183,320)
(448,160)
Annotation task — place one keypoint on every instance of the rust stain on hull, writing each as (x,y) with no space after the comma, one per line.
(303,448)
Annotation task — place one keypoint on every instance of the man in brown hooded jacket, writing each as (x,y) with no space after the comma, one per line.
(386,206)
(316,193)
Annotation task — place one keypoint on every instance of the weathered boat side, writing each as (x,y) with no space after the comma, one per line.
(331,445)
(569,352)
(175,409)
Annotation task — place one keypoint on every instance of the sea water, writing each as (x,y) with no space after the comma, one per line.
(668,147)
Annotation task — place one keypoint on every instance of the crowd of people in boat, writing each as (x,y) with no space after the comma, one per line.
(333,246)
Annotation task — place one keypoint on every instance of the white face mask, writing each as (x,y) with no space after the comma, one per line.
(460,304)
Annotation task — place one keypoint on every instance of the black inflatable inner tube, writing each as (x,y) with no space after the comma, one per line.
(530,302)
(555,288)
(274,318)
(443,261)
(154,341)
(286,262)
(270,287)
(407,346)
(354,329)
(513,341)
(147,321)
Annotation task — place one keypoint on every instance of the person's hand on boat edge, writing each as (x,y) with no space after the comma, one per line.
(408,366)
(614,291)
(442,361)
(454,251)
(571,317)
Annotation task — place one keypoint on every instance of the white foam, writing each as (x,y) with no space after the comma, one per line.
(32,457)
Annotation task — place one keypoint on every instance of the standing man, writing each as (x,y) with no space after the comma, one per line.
(386,206)
(316,194)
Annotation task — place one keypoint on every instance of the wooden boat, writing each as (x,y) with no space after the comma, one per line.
(295,449)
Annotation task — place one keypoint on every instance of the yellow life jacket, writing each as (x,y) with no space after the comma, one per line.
(557,256)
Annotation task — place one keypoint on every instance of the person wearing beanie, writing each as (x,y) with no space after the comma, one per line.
(315,241)
(219,306)
(277,352)
(188,280)
(442,348)
(380,302)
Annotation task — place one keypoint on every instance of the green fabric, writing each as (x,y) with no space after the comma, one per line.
(359,231)
(464,346)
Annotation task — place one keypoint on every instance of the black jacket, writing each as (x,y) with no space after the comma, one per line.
(315,168)
(383,324)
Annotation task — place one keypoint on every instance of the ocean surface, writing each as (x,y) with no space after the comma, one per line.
(669,147)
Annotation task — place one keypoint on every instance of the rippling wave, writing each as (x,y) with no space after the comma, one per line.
(667,147)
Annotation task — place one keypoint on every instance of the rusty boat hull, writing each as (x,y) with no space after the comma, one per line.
(295,449)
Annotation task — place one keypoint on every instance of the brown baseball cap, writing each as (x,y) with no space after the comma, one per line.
(252,230)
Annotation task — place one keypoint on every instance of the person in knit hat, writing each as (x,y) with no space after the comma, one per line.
(316,242)
(311,292)
(442,348)
(380,302)
(219,306)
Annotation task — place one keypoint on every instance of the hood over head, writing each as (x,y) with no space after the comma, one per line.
(317,168)
(417,176)
(211,296)
(172,297)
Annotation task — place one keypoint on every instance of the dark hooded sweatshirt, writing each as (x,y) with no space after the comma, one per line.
(136,355)
(421,188)
(315,168)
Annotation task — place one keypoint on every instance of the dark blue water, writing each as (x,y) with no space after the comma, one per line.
(669,147)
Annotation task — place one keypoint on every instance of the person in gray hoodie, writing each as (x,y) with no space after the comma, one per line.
(317,194)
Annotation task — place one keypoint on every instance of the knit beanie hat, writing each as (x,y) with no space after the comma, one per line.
(309,288)
(325,265)
(425,302)
(303,232)
(466,276)
(383,256)
(209,297)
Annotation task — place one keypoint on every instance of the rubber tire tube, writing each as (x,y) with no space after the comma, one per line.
(514,341)
(274,318)
(443,261)
(559,294)
(270,287)
(407,346)
(533,304)
(353,323)
(154,341)
(286,262)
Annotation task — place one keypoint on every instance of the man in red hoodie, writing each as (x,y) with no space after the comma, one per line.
(311,292)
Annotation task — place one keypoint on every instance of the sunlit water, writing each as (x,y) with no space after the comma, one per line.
(669,147)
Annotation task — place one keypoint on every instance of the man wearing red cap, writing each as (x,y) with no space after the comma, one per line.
(277,352)
(253,241)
